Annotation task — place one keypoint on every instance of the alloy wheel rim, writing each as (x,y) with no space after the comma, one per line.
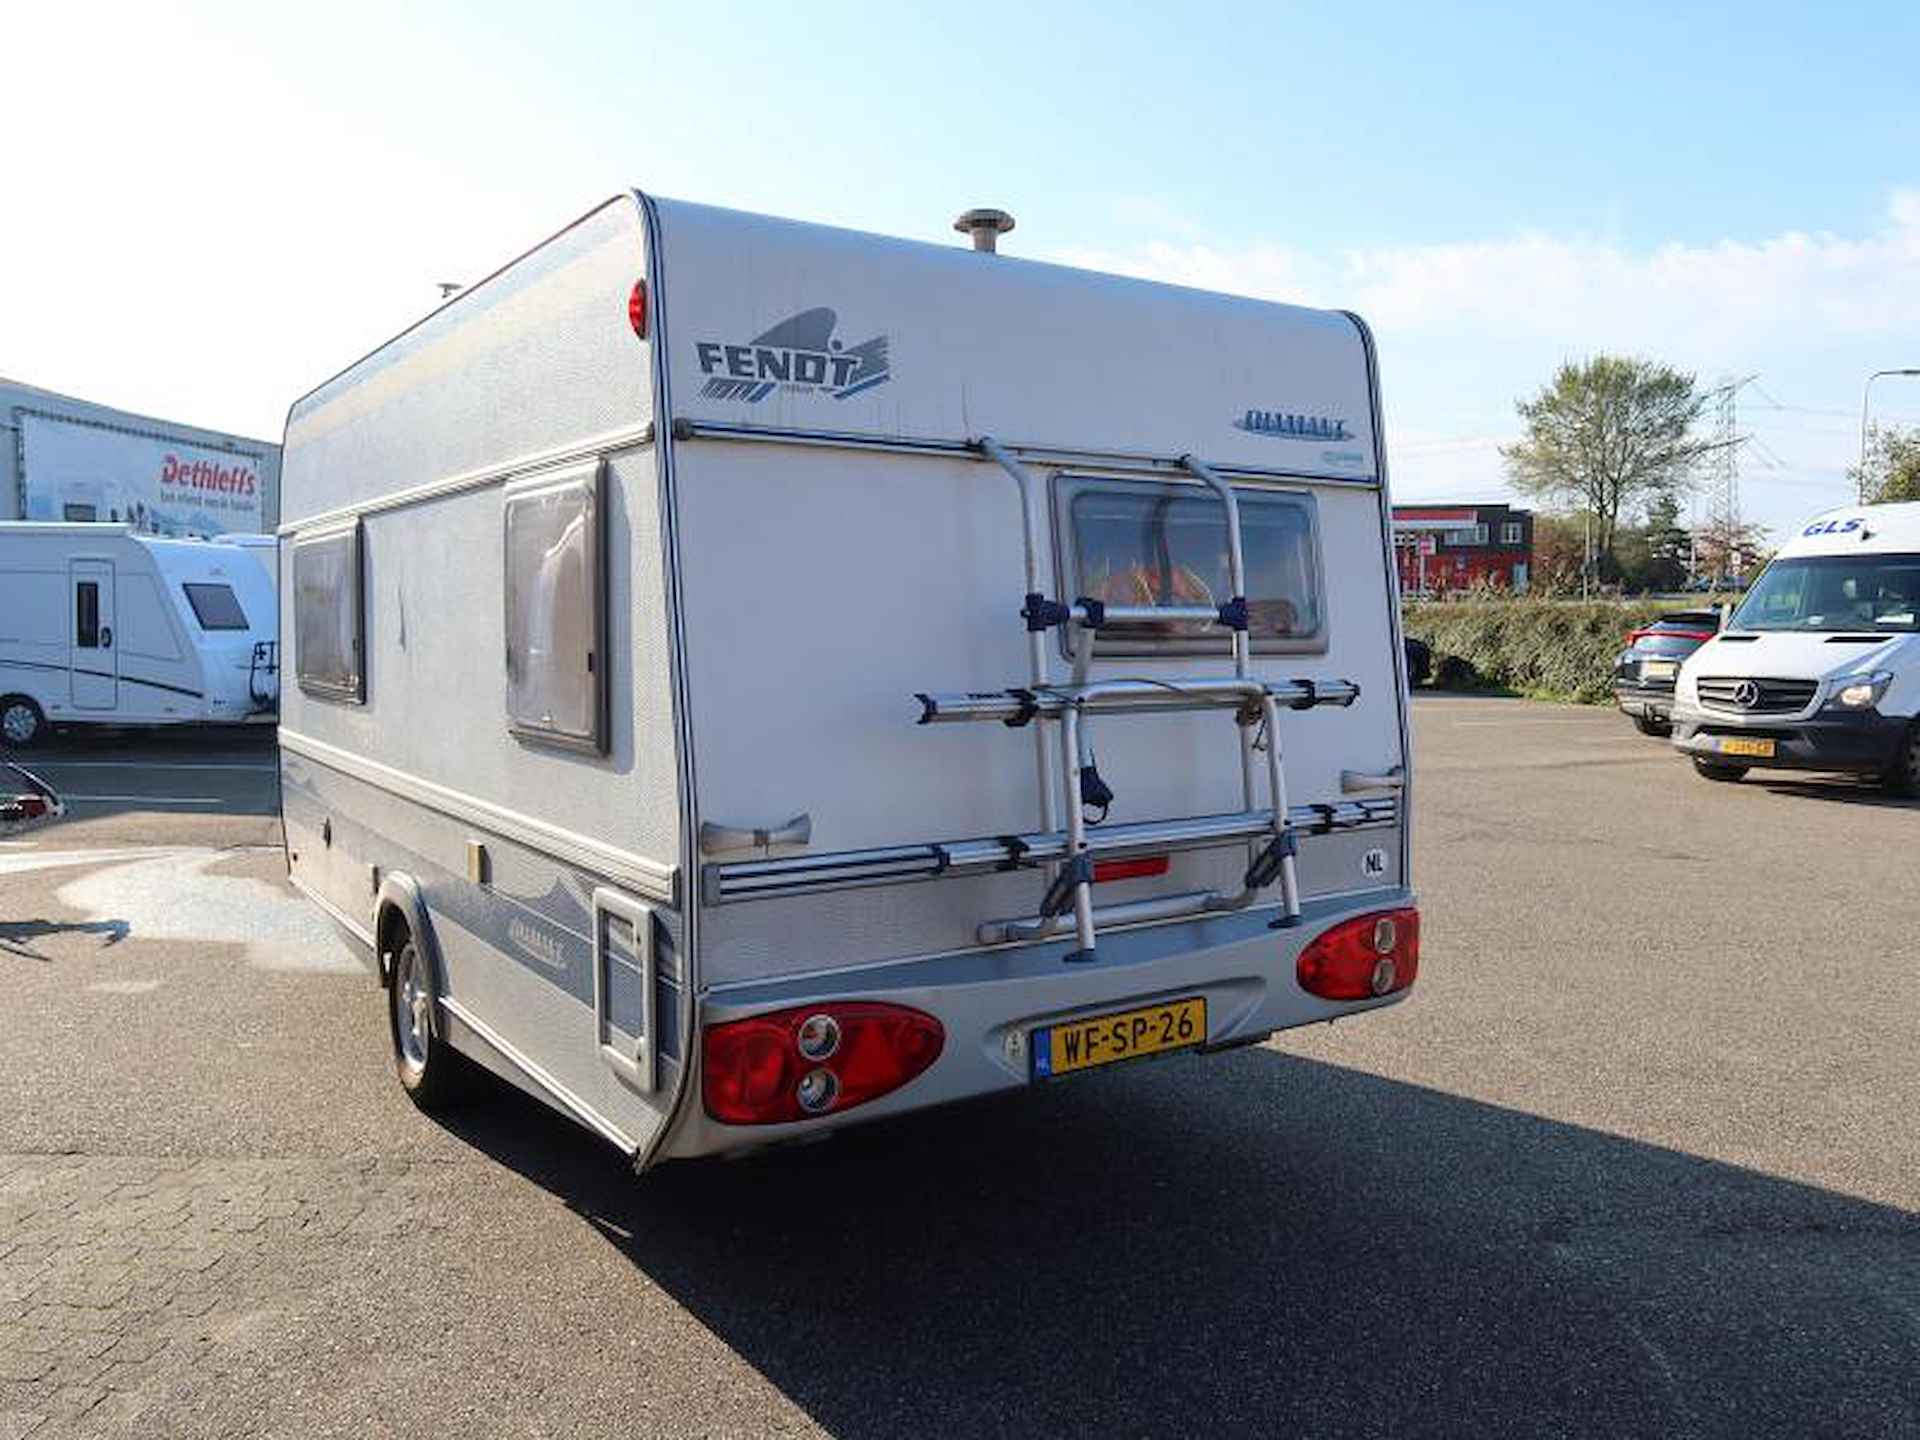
(410,1010)
(17,724)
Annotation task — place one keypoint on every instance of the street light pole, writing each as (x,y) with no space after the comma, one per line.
(1865,391)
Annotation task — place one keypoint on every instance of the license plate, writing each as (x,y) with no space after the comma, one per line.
(1735,745)
(1123,1035)
(1658,669)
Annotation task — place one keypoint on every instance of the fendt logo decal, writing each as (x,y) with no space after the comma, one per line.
(799,355)
(1285,425)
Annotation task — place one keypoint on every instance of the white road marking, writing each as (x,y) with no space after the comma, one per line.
(54,859)
(124,987)
(145,799)
(151,765)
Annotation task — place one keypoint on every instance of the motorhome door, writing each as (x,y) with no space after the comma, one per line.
(91,657)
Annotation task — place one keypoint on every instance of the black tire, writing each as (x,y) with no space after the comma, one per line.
(1903,776)
(1651,727)
(23,724)
(1714,770)
(434,1074)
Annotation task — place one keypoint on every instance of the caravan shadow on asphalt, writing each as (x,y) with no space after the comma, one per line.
(1262,1243)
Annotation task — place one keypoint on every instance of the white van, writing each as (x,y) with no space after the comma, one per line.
(1819,668)
(755,677)
(100,625)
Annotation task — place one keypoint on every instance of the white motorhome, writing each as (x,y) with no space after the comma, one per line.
(103,626)
(755,677)
(1819,668)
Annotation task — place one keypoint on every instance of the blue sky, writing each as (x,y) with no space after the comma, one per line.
(224,203)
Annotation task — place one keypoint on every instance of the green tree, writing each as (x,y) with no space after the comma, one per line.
(1608,434)
(1892,469)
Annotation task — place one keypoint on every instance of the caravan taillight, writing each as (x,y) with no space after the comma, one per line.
(637,308)
(813,1060)
(1363,959)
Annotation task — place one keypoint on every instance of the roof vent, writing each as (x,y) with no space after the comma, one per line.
(986,227)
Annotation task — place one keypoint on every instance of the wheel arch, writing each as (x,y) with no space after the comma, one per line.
(401,909)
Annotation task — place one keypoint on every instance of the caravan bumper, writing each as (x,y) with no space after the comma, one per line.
(990,1001)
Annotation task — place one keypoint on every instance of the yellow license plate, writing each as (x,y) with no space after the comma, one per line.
(1124,1035)
(1658,669)
(1734,745)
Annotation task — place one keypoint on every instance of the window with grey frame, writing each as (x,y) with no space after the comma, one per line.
(555,587)
(329,631)
(1145,543)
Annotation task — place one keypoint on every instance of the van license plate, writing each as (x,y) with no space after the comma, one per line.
(1124,1035)
(1735,745)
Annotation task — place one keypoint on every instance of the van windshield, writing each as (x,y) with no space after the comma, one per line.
(1835,592)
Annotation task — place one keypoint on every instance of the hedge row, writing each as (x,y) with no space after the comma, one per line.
(1554,649)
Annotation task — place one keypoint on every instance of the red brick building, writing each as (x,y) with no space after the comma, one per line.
(1454,547)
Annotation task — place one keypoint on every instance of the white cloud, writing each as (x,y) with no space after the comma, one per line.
(1466,327)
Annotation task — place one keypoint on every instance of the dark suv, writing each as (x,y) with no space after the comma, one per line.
(1644,672)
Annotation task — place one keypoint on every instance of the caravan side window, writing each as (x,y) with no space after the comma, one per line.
(1139,543)
(328,618)
(555,588)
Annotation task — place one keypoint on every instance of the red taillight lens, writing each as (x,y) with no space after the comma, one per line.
(1138,868)
(637,308)
(1363,958)
(793,1065)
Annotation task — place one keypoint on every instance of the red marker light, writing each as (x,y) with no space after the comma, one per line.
(1136,869)
(637,308)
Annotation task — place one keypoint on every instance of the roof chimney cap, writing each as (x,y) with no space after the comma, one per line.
(986,226)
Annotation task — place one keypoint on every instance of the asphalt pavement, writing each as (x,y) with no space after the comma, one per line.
(1641,1156)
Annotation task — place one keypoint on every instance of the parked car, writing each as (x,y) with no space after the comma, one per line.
(1644,672)
(26,801)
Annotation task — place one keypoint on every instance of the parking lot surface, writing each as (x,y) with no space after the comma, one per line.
(1640,1157)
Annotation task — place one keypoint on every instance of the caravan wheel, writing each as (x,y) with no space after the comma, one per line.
(21,723)
(430,1070)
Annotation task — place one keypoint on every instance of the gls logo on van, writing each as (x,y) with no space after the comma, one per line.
(1833,527)
(800,355)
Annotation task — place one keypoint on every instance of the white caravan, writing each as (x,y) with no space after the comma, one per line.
(103,626)
(1819,668)
(755,677)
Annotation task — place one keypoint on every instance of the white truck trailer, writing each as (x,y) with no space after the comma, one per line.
(100,625)
(755,677)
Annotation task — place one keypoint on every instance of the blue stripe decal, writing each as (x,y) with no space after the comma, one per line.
(102,675)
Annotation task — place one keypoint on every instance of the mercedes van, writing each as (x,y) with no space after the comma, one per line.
(1819,668)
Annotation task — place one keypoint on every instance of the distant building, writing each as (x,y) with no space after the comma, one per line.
(68,459)
(1455,547)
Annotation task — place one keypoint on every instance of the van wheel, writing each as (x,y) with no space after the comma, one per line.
(1712,770)
(1903,776)
(432,1073)
(22,725)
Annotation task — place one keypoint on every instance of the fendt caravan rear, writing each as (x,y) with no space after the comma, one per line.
(100,625)
(754,677)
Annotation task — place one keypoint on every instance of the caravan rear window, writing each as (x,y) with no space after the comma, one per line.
(556,670)
(215,607)
(328,621)
(1138,543)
